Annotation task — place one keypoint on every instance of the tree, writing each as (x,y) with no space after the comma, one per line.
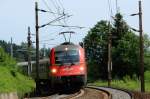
(147,52)
(125,49)
(95,44)
(19,51)
(120,28)
(126,55)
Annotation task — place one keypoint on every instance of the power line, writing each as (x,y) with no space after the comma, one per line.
(57,19)
(54,14)
(63,13)
(47,40)
(117,7)
(48,44)
(54,33)
(47,6)
(55,5)
(58,6)
(50,11)
(50,39)
(110,8)
(68,26)
(61,4)
(58,10)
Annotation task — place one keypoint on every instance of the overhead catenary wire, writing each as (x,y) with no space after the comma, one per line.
(57,13)
(49,12)
(61,4)
(68,26)
(48,44)
(60,16)
(63,12)
(58,5)
(55,5)
(48,7)
(110,8)
(53,36)
(116,6)
(57,19)
(46,40)
(110,11)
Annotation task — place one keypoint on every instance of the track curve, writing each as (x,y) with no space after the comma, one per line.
(115,93)
(86,93)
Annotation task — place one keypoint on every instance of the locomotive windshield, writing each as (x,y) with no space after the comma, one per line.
(66,57)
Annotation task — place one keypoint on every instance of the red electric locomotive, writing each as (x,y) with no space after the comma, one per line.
(67,65)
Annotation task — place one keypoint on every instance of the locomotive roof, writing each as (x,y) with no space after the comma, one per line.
(66,45)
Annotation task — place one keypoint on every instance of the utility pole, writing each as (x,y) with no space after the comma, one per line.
(109,56)
(11,48)
(141,47)
(37,41)
(29,50)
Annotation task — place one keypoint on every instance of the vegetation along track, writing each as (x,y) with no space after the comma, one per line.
(86,93)
(115,93)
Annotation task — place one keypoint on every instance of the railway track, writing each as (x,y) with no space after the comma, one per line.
(86,93)
(116,93)
(91,92)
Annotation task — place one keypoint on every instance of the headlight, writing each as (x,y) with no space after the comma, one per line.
(81,68)
(54,70)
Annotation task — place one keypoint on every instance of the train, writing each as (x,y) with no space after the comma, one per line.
(68,65)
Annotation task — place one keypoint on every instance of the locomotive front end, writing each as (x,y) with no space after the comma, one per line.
(68,65)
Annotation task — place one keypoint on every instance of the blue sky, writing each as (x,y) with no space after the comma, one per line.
(17,15)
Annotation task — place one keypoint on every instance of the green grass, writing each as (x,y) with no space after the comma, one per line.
(127,83)
(11,81)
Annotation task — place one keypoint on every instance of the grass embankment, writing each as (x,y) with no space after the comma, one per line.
(127,83)
(11,79)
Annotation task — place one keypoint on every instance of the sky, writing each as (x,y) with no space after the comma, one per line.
(17,15)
